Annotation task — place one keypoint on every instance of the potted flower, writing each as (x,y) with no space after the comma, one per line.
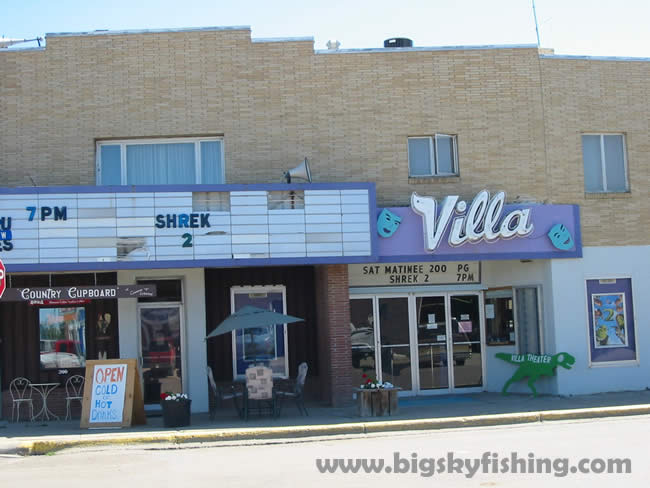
(373,384)
(175,409)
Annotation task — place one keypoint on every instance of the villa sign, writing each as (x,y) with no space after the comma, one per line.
(453,229)
(482,221)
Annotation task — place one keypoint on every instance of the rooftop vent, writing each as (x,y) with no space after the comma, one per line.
(398,42)
(333,45)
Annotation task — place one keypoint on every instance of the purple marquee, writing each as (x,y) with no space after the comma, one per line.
(408,242)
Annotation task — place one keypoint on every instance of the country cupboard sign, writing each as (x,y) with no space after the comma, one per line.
(56,293)
(485,228)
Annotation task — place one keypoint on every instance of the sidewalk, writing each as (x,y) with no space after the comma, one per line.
(419,413)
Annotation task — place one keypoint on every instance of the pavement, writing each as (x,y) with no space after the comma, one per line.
(415,414)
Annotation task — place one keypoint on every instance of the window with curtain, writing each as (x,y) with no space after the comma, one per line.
(604,162)
(527,312)
(160,162)
(432,156)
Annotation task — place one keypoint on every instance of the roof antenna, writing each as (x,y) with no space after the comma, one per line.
(536,26)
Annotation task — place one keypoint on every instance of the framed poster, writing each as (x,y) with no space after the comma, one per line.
(612,336)
(268,344)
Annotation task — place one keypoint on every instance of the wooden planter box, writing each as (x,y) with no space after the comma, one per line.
(377,403)
(176,414)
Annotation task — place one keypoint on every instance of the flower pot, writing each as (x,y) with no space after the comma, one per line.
(377,402)
(176,413)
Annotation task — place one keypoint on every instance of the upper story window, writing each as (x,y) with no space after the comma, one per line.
(433,156)
(605,163)
(160,161)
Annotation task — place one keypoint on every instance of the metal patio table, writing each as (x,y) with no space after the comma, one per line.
(44,389)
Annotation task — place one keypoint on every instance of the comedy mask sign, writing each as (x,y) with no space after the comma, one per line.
(485,228)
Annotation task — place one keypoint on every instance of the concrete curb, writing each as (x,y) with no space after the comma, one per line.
(40,447)
(592,413)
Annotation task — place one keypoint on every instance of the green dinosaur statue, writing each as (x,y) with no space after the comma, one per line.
(532,366)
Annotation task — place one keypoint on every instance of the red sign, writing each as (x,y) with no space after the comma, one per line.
(59,302)
(3,278)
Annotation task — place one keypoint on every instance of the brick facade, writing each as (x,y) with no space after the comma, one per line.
(518,116)
(335,350)
(603,96)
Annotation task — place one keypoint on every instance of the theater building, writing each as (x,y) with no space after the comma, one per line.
(464,202)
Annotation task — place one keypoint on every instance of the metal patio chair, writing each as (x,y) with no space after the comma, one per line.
(297,392)
(222,393)
(74,390)
(21,393)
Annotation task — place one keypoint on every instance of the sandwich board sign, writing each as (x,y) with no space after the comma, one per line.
(112,394)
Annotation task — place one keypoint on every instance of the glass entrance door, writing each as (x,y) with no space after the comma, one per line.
(362,338)
(433,363)
(420,343)
(160,342)
(465,338)
(395,355)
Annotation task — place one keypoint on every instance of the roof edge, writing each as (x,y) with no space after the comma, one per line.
(425,48)
(22,49)
(593,58)
(102,32)
(283,39)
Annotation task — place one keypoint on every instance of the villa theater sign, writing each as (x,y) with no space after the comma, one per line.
(486,227)
(482,221)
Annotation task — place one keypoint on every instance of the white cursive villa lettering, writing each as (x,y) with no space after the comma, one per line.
(482,221)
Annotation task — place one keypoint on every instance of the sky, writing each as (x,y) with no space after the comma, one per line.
(574,27)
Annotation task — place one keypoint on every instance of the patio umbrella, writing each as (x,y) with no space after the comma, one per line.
(249,317)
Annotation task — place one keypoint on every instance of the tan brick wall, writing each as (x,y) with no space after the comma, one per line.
(349,113)
(599,96)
